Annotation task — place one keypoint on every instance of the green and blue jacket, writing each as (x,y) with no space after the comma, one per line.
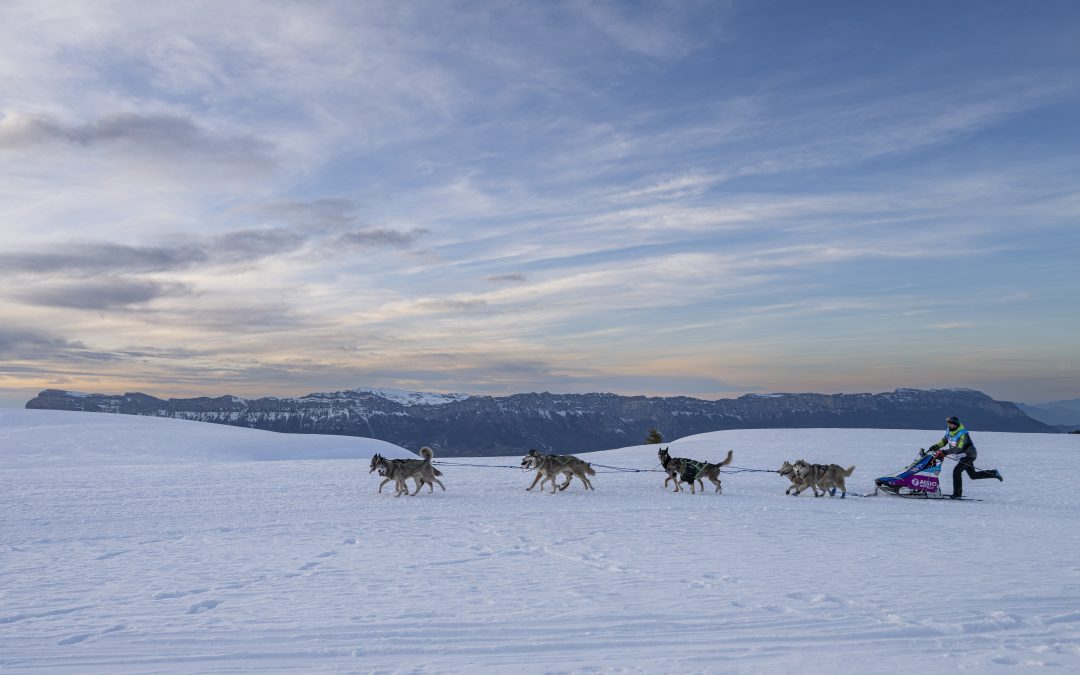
(956,442)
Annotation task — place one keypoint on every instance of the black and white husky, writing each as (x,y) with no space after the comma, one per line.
(682,470)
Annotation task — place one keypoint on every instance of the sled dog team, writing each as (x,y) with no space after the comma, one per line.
(828,478)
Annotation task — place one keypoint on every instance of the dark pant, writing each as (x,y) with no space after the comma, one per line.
(967,464)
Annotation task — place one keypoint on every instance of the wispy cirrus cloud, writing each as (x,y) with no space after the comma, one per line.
(99,294)
(511,277)
(85,259)
(167,137)
(382,237)
(97,258)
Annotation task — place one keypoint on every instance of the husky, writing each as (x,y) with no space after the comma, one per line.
(548,467)
(671,466)
(682,470)
(385,467)
(401,470)
(787,470)
(826,477)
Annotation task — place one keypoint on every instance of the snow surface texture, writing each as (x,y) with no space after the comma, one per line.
(215,564)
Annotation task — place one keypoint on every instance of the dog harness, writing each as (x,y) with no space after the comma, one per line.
(693,468)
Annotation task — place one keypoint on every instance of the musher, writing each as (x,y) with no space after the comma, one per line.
(957,441)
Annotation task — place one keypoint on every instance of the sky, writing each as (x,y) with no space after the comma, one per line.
(665,198)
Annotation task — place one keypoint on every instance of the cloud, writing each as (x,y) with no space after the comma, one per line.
(381,237)
(251,245)
(319,215)
(237,246)
(99,294)
(426,306)
(166,137)
(244,316)
(953,325)
(98,258)
(19,343)
(513,277)
(660,30)
(492,372)
(176,353)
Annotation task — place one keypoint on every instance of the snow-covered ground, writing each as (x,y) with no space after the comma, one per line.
(154,545)
(53,437)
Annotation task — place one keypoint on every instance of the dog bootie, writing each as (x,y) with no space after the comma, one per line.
(997,474)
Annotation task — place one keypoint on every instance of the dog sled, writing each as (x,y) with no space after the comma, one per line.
(920,480)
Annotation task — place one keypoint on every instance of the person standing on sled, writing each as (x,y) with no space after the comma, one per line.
(957,441)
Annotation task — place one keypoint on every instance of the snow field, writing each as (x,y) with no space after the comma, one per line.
(60,437)
(230,565)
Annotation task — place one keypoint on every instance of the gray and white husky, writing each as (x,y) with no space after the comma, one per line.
(401,470)
(825,477)
(787,470)
(548,467)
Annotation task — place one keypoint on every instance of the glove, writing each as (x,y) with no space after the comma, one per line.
(939,455)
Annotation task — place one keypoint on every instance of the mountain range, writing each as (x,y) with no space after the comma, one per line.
(1063,415)
(466,425)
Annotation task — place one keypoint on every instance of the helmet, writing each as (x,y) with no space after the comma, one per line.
(953,420)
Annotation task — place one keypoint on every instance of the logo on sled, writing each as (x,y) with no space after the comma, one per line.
(925,483)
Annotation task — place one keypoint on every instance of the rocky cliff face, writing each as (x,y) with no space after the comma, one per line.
(457,425)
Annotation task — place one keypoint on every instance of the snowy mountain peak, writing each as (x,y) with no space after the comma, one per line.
(410,398)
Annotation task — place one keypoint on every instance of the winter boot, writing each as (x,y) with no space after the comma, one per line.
(997,474)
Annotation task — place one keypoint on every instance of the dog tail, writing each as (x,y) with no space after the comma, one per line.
(589,470)
(427,452)
(727,460)
(850,470)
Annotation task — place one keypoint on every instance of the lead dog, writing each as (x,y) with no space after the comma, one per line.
(548,467)
(401,470)
(683,470)
(825,477)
